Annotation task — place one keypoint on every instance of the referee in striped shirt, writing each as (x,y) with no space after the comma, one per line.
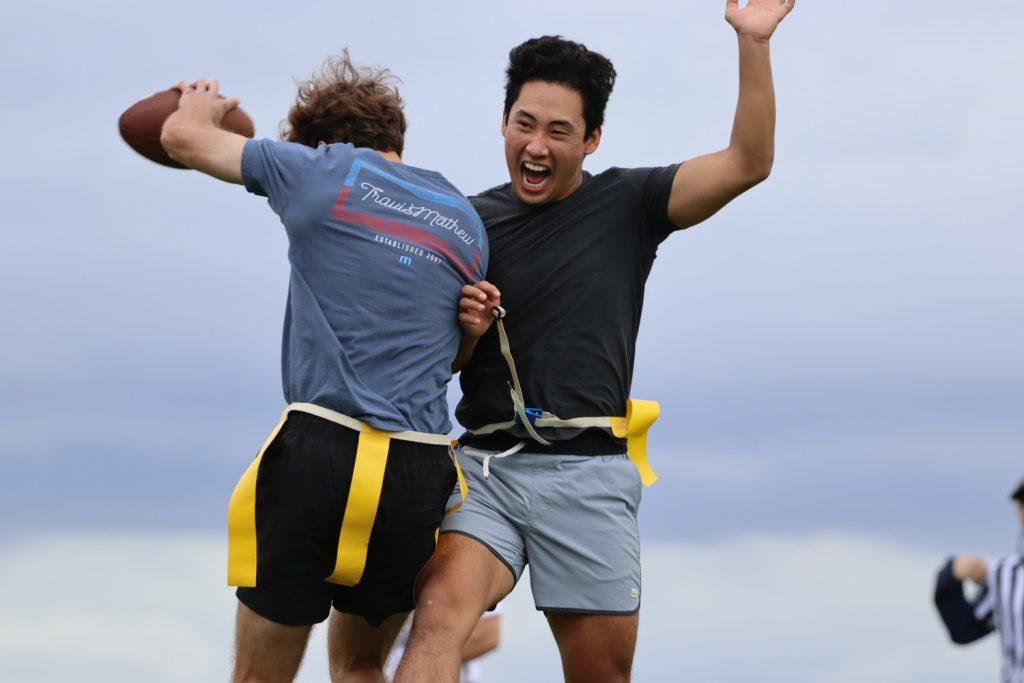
(999,606)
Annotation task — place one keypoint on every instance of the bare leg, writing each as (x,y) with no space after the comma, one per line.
(460,581)
(265,651)
(356,651)
(595,648)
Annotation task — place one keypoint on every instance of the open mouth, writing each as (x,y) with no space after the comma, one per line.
(535,176)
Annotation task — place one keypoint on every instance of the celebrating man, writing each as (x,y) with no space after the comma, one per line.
(556,462)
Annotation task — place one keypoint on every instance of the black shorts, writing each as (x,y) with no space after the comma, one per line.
(302,486)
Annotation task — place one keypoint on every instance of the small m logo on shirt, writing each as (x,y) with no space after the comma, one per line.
(405,260)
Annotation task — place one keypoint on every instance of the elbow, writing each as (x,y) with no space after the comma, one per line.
(758,172)
(963,638)
(761,174)
(753,166)
(966,630)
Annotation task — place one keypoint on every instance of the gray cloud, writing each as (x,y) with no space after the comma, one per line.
(839,348)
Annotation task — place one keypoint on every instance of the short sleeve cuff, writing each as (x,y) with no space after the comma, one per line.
(250,165)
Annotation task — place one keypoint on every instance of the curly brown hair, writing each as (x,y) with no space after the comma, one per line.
(347,103)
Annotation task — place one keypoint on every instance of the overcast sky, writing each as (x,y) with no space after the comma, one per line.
(837,353)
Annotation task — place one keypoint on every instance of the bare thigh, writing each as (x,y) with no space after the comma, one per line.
(595,648)
(266,651)
(469,567)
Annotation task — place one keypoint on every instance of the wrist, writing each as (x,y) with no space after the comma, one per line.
(753,40)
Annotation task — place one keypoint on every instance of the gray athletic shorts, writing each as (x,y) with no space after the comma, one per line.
(573,518)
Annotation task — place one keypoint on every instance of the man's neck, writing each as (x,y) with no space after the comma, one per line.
(390,156)
(577,184)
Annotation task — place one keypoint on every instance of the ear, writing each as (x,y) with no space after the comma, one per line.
(591,143)
(504,123)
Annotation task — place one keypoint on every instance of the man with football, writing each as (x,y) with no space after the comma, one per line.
(338,512)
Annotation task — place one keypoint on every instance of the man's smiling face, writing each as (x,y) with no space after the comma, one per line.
(545,142)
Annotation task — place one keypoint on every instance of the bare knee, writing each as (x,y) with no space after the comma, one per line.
(365,668)
(441,596)
(610,663)
(441,623)
(617,668)
(461,578)
(612,667)
(356,649)
(595,649)
(265,651)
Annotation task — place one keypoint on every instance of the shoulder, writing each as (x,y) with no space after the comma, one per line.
(279,148)
(274,168)
(1009,560)
(1004,568)
(632,184)
(496,193)
(329,156)
(431,184)
(492,200)
(650,189)
(281,155)
(642,178)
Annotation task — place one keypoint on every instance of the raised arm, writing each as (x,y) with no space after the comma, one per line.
(705,184)
(192,135)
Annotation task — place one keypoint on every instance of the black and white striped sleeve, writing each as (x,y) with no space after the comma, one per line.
(984,605)
(966,622)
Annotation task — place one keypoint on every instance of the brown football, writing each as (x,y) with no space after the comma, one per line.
(141,123)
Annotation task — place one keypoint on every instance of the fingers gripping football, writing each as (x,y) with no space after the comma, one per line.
(203,98)
(142,123)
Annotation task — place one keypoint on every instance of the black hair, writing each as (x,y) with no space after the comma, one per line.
(554,59)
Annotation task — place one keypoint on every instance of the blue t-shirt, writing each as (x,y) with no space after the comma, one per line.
(379,252)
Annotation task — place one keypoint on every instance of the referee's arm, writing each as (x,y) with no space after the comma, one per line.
(965,621)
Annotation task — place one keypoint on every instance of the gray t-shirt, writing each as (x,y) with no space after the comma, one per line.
(379,252)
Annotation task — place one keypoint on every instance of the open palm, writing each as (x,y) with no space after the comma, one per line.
(759,18)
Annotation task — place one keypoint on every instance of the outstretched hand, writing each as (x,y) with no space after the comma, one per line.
(759,18)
